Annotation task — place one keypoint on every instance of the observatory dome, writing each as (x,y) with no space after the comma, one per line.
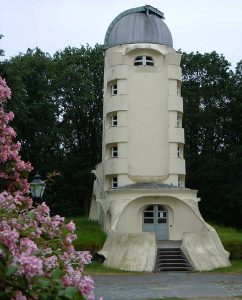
(138,25)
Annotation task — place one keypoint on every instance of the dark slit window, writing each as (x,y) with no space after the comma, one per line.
(144,61)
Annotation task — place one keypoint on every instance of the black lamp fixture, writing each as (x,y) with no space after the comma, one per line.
(37,188)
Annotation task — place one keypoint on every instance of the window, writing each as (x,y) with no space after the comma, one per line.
(180,151)
(114,182)
(114,120)
(180,181)
(114,89)
(179,121)
(149,215)
(178,88)
(114,151)
(143,61)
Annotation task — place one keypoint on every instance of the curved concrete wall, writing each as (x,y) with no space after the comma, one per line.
(115,103)
(175,103)
(116,134)
(115,166)
(149,97)
(176,135)
(180,216)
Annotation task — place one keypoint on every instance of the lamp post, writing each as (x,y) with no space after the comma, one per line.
(37,188)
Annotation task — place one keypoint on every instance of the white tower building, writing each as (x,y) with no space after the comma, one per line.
(139,193)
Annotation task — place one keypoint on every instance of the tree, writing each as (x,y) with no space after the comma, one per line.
(78,85)
(233,198)
(36,113)
(209,96)
(59,119)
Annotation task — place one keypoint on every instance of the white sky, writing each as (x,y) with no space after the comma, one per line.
(51,25)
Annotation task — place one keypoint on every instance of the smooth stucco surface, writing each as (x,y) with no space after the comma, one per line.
(149,165)
(130,251)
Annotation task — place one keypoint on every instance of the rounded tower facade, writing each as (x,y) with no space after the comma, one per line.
(139,195)
(143,138)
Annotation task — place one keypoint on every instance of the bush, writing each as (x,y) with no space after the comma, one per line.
(90,236)
(234,248)
(37,257)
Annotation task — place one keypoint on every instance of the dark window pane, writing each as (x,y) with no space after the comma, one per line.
(160,221)
(150,208)
(138,63)
(149,58)
(148,63)
(148,214)
(148,221)
(161,208)
(138,58)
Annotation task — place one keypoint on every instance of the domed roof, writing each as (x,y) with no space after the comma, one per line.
(138,25)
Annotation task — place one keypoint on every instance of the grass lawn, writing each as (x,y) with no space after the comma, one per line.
(236,267)
(228,233)
(89,234)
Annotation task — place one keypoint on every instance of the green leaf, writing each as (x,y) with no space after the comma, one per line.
(70,293)
(56,273)
(10,270)
(31,229)
(31,215)
(44,282)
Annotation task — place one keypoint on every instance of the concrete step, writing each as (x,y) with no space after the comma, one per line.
(171,259)
(175,269)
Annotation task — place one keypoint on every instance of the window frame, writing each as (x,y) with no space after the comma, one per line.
(114,89)
(179,120)
(178,87)
(114,120)
(114,182)
(180,151)
(144,60)
(114,151)
(179,181)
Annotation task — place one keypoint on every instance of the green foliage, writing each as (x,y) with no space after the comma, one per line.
(57,104)
(89,235)
(231,239)
(228,233)
(212,104)
(78,82)
(234,248)
(236,267)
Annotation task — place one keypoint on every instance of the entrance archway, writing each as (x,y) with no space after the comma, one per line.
(155,219)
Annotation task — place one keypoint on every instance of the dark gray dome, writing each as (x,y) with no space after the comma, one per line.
(138,25)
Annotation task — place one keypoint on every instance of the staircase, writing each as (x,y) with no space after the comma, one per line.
(172,259)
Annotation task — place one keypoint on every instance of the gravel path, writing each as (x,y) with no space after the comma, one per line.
(184,285)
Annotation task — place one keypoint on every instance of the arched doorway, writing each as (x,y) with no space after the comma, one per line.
(155,219)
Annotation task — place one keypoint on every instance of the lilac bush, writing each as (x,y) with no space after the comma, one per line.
(37,258)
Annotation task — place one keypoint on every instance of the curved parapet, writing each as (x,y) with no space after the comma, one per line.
(130,251)
(204,250)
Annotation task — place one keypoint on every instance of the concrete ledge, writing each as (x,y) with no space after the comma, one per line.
(130,251)
(205,251)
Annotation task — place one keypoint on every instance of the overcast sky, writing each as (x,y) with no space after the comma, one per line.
(51,25)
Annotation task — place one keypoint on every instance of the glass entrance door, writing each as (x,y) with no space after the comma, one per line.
(155,219)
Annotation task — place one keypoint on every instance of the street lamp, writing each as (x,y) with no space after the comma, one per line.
(37,188)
